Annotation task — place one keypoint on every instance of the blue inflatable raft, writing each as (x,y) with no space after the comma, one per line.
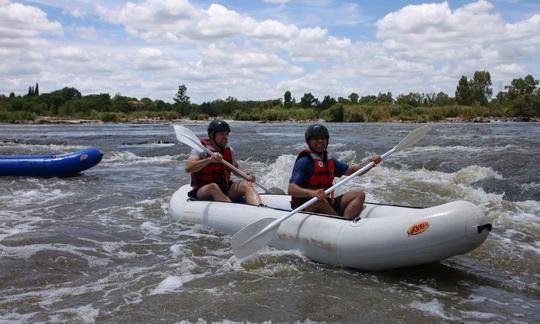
(61,165)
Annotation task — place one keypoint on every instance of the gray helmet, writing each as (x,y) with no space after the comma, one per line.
(217,126)
(316,130)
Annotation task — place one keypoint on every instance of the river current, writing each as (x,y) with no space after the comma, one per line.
(101,246)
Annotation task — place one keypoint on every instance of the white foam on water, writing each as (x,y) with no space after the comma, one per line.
(433,308)
(151,228)
(27,251)
(25,224)
(118,158)
(458,149)
(178,250)
(148,145)
(481,315)
(32,197)
(85,314)
(435,292)
(170,284)
(43,148)
(14,317)
(174,282)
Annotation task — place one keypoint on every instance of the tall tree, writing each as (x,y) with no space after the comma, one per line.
(385,98)
(481,87)
(464,93)
(182,100)
(353,97)
(287,99)
(36,90)
(309,101)
(522,86)
(181,96)
(327,102)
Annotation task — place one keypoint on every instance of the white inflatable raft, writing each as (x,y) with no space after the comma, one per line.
(382,237)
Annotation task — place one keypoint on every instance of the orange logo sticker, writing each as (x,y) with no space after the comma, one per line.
(84,157)
(418,228)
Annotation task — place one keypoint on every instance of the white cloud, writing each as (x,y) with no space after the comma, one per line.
(87,33)
(21,21)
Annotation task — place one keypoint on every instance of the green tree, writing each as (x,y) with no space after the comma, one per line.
(182,102)
(368,100)
(327,103)
(69,93)
(287,99)
(464,93)
(385,98)
(181,96)
(353,98)
(522,86)
(412,99)
(481,87)
(309,101)
(442,99)
(36,90)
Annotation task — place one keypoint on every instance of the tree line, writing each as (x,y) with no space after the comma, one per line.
(473,98)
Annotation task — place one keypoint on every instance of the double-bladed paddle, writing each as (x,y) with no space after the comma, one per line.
(186,136)
(257,235)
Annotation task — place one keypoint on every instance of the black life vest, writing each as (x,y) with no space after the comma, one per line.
(214,172)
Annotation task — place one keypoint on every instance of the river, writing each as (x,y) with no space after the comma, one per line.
(101,246)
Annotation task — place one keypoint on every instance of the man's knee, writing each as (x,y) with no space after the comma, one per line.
(245,186)
(359,195)
(213,187)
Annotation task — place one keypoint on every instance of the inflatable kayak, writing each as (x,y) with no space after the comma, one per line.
(49,165)
(381,237)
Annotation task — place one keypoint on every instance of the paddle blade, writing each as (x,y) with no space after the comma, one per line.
(414,137)
(251,238)
(186,136)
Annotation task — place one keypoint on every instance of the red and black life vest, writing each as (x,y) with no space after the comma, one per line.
(322,177)
(214,172)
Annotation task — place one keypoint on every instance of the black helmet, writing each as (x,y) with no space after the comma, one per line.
(316,130)
(217,126)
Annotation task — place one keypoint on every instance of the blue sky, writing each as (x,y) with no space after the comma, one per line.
(259,49)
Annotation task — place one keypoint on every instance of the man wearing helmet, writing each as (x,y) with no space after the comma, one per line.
(314,172)
(210,178)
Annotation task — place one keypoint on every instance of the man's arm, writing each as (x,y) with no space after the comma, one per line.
(195,163)
(355,167)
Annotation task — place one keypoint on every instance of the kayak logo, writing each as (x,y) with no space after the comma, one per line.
(321,164)
(84,157)
(418,228)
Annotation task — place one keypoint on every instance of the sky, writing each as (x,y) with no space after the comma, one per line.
(257,50)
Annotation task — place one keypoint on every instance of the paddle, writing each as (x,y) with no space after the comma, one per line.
(186,136)
(255,236)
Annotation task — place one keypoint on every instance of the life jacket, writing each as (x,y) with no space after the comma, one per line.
(322,177)
(214,172)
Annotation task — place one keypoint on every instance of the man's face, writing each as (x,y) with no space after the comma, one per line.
(318,143)
(221,138)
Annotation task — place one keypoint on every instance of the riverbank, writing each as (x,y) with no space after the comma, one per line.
(55,120)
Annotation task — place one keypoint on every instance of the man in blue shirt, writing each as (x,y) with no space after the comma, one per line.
(314,172)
